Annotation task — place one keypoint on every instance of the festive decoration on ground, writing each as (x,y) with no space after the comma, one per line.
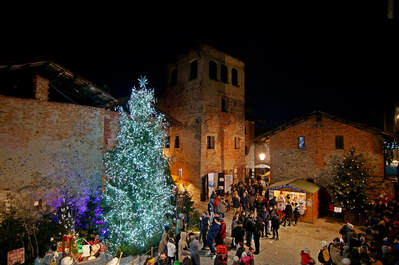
(348,183)
(138,194)
(79,211)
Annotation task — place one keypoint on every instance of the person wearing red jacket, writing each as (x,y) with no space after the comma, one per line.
(216,202)
(219,239)
(306,259)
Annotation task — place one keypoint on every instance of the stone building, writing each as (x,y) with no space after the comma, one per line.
(206,94)
(303,148)
(54,125)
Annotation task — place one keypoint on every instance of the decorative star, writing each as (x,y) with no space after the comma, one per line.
(143,81)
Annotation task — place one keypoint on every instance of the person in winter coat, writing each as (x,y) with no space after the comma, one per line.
(306,259)
(171,251)
(216,202)
(238,232)
(265,216)
(240,249)
(233,225)
(259,203)
(236,260)
(249,229)
(194,249)
(324,254)
(162,260)
(273,202)
(212,233)
(246,257)
(245,202)
(235,201)
(252,199)
(346,231)
(203,226)
(275,226)
(296,212)
(222,232)
(335,251)
(221,208)
(183,247)
(257,233)
(288,214)
(211,207)
(164,241)
(181,223)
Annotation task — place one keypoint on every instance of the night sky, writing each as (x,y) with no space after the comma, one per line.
(332,57)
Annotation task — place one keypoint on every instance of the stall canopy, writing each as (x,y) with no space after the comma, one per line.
(303,192)
(296,184)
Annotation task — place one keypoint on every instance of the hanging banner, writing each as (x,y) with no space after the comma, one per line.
(212,179)
(228,182)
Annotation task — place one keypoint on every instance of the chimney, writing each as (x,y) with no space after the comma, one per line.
(40,87)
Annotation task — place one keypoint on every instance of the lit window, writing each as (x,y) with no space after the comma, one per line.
(301,142)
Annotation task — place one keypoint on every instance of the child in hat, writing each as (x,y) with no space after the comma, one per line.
(306,259)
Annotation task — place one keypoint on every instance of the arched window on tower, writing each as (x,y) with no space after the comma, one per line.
(193,70)
(223,73)
(212,70)
(234,77)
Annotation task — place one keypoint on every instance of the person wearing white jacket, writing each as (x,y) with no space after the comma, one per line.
(171,251)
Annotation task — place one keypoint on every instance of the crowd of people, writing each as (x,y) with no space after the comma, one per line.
(186,251)
(255,217)
(377,244)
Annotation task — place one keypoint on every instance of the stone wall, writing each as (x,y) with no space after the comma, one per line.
(197,104)
(288,161)
(43,144)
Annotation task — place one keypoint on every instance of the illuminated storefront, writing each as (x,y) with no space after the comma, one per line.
(299,191)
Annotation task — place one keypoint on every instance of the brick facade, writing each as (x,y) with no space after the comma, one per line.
(43,143)
(41,88)
(319,131)
(206,107)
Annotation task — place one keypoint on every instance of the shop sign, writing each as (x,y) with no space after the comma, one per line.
(16,256)
(337,210)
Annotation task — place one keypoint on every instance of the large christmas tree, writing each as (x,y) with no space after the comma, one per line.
(348,183)
(138,192)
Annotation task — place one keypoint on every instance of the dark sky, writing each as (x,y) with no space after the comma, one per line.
(336,57)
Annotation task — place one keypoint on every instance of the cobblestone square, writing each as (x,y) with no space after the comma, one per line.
(292,240)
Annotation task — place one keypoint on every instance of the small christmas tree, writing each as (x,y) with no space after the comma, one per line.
(348,183)
(138,194)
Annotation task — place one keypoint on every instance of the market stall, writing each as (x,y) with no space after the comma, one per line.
(299,191)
